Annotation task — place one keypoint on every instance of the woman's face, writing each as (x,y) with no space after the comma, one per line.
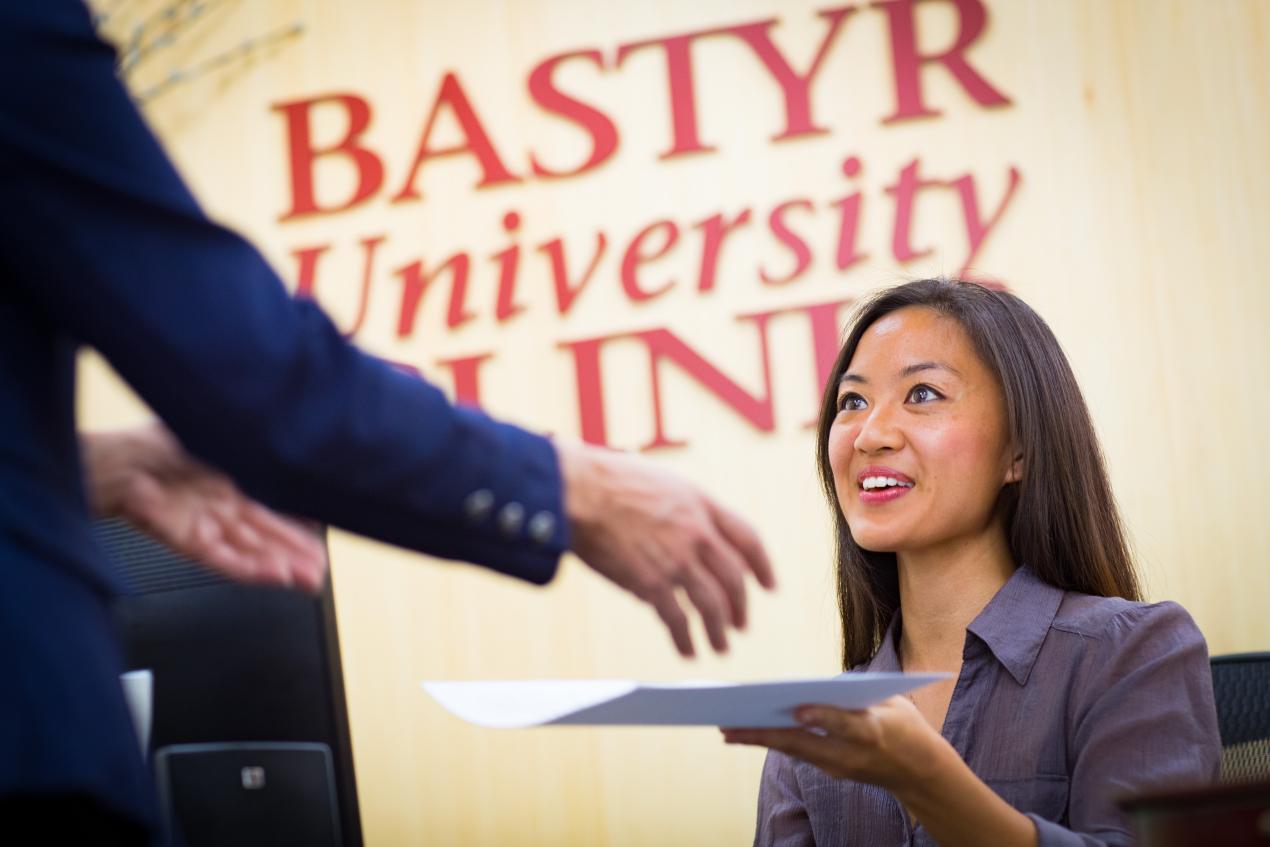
(920,447)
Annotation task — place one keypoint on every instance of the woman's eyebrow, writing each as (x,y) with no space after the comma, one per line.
(928,366)
(908,370)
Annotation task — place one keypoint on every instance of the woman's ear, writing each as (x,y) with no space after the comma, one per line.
(1014,473)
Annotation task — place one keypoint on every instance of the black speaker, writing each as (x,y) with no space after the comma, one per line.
(249,794)
(247,685)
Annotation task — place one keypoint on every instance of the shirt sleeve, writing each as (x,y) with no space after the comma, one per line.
(103,241)
(1145,719)
(782,817)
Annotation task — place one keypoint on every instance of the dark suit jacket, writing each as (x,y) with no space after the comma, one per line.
(102,244)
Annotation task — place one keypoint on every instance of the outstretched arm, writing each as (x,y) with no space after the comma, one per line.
(112,250)
(144,476)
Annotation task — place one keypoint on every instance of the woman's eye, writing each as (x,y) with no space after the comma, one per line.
(923,394)
(851,402)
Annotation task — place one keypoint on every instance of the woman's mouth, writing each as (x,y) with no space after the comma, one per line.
(882,485)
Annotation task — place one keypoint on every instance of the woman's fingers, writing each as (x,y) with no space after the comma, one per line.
(832,755)
(889,744)
(856,726)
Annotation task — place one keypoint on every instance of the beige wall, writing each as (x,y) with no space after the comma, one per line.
(1139,230)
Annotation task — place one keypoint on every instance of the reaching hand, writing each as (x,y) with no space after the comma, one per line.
(655,534)
(889,744)
(144,476)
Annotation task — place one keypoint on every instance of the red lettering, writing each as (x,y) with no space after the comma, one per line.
(476,141)
(789,238)
(757,409)
(508,263)
(602,130)
(714,229)
(825,338)
(306,285)
(907,60)
(415,281)
(302,155)
(567,292)
(683,98)
(849,220)
(307,272)
(905,190)
(976,229)
(796,88)
(635,256)
(663,344)
(466,372)
(586,367)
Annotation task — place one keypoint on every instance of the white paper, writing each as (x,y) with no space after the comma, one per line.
(524,703)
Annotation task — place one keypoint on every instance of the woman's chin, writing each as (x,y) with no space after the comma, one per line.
(875,541)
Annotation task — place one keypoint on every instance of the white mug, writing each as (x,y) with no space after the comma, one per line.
(138,691)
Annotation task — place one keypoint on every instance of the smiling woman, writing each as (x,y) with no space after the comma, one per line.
(917,382)
(977,535)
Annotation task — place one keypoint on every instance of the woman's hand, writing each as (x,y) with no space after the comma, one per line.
(890,744)
(144,476)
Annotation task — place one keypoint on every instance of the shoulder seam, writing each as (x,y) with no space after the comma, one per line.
(1101,629)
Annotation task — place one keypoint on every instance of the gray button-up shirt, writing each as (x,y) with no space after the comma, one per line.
(1065,703)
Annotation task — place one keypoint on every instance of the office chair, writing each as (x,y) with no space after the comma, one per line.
(1241,685)
(250,738)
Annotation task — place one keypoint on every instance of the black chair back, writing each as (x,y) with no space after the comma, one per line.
(249,714)
(1241,685)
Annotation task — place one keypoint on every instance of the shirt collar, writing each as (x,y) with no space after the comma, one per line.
(1013,625)
(1015,622)
(887,658)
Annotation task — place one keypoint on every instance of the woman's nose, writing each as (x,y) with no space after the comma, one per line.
(879,432)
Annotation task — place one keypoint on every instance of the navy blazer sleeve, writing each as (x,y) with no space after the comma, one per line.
(103,238)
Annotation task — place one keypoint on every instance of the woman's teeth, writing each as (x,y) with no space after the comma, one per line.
(883,482)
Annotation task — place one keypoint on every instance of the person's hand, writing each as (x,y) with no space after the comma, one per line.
(655,535)
(890,744)
(144,476)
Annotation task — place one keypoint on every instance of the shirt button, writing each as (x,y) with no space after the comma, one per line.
(478,504)
(542,526)
(511,518)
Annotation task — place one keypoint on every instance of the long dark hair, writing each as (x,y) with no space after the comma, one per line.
(1060,519)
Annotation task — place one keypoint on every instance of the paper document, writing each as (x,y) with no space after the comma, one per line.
(514,704)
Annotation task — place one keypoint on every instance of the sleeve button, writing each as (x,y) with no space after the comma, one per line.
(478,505)
(511,518)
(542,526)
